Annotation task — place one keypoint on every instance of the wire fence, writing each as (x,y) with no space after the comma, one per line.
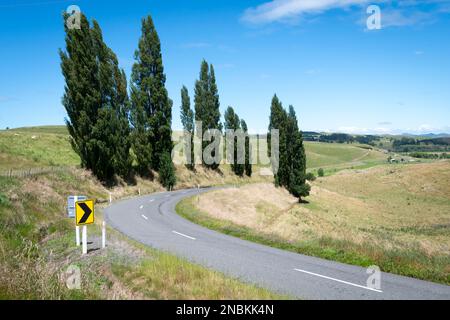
(30,172)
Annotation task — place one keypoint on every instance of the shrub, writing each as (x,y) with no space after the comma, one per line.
(167,172)
(320,172)
(4,201)
(310,176)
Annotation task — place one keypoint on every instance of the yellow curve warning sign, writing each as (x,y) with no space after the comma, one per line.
(84,212)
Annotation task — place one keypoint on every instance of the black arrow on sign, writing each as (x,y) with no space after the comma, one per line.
(87,212)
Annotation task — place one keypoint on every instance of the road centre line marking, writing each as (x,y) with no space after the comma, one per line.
(141,207)
(143,216)
(183,235)
(342,281)
(151,200)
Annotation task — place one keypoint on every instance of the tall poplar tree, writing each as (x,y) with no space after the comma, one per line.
(81,92)
(297,185)
(151,108)
(206,104)
(248,149)
(277,121)
(232,125)
(112,130)
(187,120)
(96,102)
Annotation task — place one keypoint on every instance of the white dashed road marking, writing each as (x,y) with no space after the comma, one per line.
(183,235)
(341,281)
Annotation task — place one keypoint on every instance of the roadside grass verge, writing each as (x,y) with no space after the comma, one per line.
(37,247)
(159,275)
(412,263)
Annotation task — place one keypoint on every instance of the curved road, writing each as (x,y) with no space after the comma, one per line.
(152,220)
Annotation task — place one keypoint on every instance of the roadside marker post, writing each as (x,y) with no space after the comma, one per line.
(110,197)
(103,235)
(84,249)
(77,235)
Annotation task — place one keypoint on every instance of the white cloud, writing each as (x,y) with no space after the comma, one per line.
(382,130)
(393,14)
(426,128)
(404,17)
(277,10)
(353,130)
(358,130)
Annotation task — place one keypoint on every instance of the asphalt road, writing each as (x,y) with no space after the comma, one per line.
(152,220)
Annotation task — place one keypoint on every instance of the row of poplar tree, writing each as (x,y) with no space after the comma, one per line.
(117,132)
(109,127)
(207,112)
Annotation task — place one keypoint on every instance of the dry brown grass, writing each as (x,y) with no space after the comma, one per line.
(393,207)
(205,177)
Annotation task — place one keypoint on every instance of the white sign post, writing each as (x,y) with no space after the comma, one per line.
(77,235)
(103,235)
(84,249)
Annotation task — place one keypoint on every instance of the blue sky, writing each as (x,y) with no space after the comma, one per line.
(317,55)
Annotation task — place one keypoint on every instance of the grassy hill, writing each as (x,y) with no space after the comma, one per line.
(36,147)
(43,129)
(335,155)
(32,147)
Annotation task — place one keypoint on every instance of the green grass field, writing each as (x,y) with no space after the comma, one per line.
(335,155)
(32,147)
(43,129)
(36,147)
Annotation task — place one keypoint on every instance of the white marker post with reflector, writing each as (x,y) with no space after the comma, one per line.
(103,235)
(84,240)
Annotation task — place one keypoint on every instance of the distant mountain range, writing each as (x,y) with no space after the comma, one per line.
(428,135)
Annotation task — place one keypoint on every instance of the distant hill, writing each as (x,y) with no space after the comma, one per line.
(427,135)
(43,129)
(31,147)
